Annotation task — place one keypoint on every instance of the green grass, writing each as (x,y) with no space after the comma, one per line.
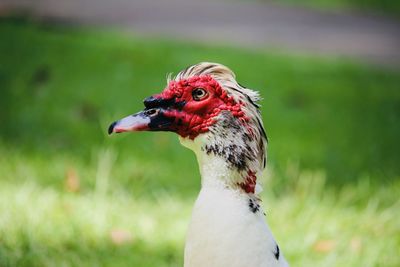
(331,190)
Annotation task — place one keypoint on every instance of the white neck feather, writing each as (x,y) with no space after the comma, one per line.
(228,226)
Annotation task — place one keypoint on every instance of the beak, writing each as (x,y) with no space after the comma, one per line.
(152,118)
(136,122)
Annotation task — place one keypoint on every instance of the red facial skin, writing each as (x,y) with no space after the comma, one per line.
(197,116)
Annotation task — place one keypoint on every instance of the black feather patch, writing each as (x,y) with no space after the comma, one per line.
(277,252)
(253,205)
(231,142)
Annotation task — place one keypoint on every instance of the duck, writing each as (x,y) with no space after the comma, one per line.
(220,121)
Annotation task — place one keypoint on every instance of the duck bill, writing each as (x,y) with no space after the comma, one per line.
(152,119)
(132,123)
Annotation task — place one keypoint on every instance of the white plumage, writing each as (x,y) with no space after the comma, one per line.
(223,230)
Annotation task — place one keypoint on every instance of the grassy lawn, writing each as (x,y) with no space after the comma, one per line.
(72,196)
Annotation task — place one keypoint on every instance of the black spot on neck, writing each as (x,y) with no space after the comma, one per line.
(277,252)
(235,156)
(253,205)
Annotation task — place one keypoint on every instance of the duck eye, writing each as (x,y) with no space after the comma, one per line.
(198,94)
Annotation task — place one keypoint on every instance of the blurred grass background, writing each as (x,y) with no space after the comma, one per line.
(72,196)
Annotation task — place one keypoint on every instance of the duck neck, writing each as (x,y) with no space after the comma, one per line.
(223,166)
(215,173)
(226,215)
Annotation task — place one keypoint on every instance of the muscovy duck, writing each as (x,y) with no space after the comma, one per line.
(220,121)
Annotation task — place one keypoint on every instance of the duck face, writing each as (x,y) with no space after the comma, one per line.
(188,107)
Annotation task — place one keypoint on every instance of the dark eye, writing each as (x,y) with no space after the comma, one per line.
(199,93)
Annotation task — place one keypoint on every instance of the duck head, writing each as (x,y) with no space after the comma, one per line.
(213,115)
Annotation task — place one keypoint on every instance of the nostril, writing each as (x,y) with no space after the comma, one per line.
(151,112)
